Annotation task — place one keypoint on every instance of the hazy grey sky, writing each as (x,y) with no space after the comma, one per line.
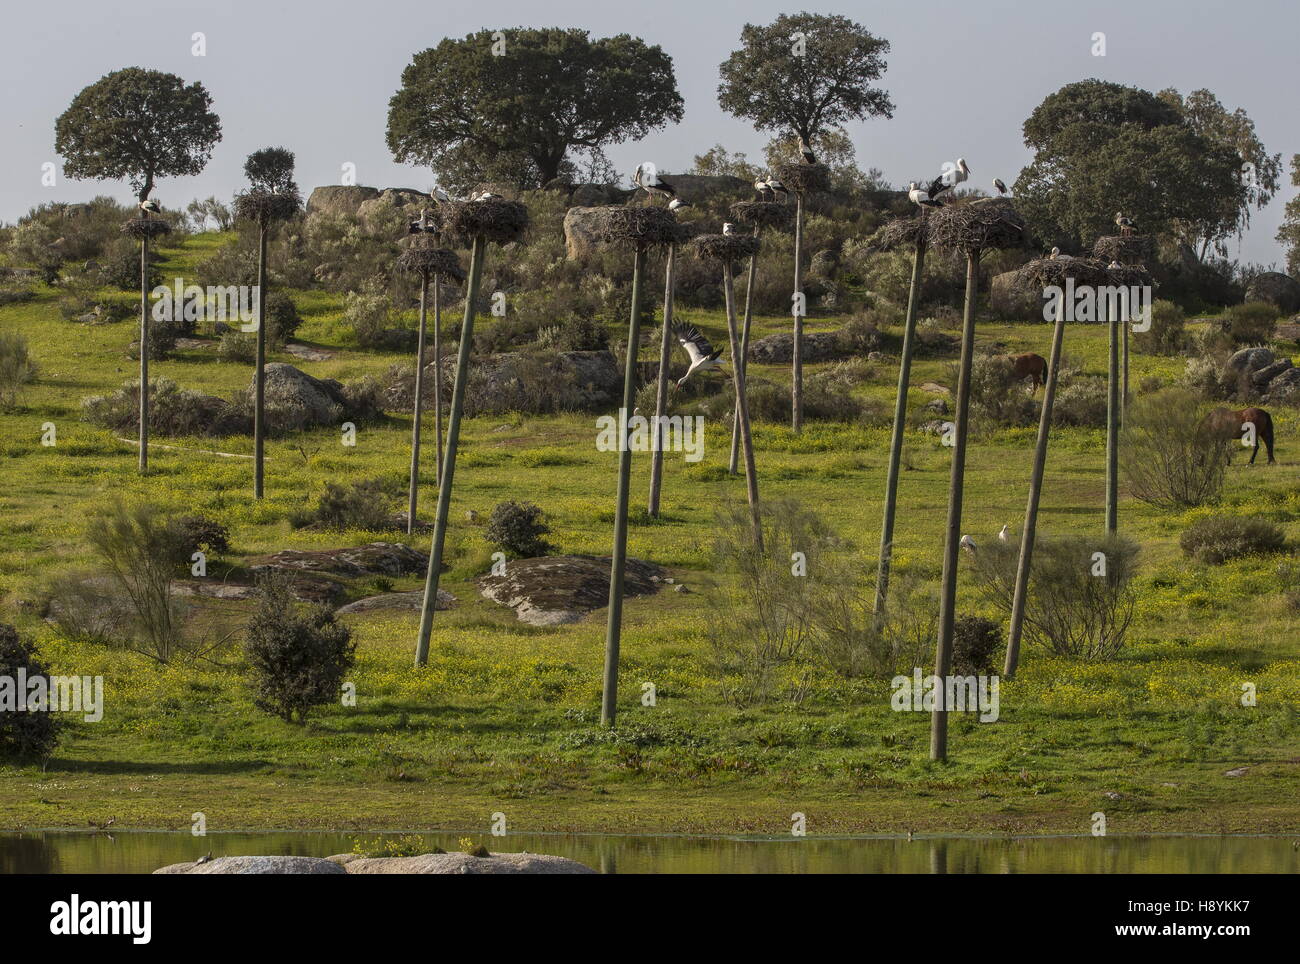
(316,77)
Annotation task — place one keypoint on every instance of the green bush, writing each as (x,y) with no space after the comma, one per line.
(975,639)
(24,735)
(173,411)
(996,397)
(282,319)
(1082,402)
(1251,323)
(17,369)
(1166,335)
(199,532)
(239,347)
(359,505)
(1216,539)
(517,528)
(296,661)
(1166,457)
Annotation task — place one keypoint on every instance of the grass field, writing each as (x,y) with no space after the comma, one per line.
(504,717)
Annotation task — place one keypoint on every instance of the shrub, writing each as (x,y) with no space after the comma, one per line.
(17,368)
(1165,456)
(282,319)
(1216,539)
(173,410)
(24,734)
(297,661)
(85,607)
(996,397)
(140,548)
(517,528)
(1078,604)
(1208,376)
(974,641)
(1251,323)
(367,312)
(360,505)
(1082,402)
(861,333)
(1165,336)
(238,346)
(581,334)
(119,265)
(198,532)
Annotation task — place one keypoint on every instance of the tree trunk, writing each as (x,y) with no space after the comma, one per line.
(144,354)
(740,361)
(437,377)
(259,379)
(742,407)
(900,426)
(948,597)
(1024,563)
(1112,429)
(449,460)
(661,384)
(414,494)
(796,385)
(618,560)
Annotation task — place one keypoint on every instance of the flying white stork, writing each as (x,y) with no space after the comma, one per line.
(701,353)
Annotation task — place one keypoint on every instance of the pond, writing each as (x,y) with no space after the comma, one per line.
(139,852)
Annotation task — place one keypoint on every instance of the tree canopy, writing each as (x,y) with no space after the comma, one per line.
(805,73)
(271,169)
(516,105)
(1289,233)
(1175,166)
(139,125)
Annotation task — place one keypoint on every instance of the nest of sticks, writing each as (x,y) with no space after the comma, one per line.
(1044,272)
(972,226)
(725,248)
(265,207)
(637,227)
(900,233)
(428,261)
(497,220)
(762,214)
(1130,249)
(143,229)
(804,178)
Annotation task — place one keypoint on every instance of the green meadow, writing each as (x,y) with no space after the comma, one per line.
(504,718)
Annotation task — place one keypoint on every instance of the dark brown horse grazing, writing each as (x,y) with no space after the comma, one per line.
(1029,365)
(1228,424)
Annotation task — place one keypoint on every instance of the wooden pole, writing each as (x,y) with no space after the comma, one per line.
(900,426)
(740,361)
(1021,594)
(437,377)
(742,406)
(948,597)
(449,460)
(259,376)
(1123,405)
(414,493)
(144,353)
(1112,428)
(796,385)
(618,560)
(661,385)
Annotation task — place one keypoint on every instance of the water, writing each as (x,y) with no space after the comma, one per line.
(138,852)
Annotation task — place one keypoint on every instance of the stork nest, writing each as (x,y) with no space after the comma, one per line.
(762,214)
(497,220)
(1133,249)
(638,227)
(804,178)
(145,228)
(900,233)
(1043,272)
(990,222)
(725,248)
(428,261)
(265,207)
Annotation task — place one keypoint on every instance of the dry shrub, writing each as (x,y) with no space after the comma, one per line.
(1166,335)
(1251,323)
(1217,538)
(1167,459)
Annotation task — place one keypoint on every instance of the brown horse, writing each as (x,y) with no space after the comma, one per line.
(1227,424)
(1029,365)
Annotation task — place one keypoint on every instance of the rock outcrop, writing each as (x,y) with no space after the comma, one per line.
(519,863)
(554,590)
(256,865)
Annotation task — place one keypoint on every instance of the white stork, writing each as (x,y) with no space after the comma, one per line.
(921,196)
(653,184)
(486,196)
(764,189)
(150,207)
(776,187)
(440,195)
(701,353)
(967,543)
(1005,534)
(676,204)
(1000,184)
(1114,266)
(962,173)
(1124,223)
(422,225)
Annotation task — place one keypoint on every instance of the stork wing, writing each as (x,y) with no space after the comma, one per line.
(937,186)
(696,345)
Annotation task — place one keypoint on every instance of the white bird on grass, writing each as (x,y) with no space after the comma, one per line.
(967,543)
(702,355)
(1005,534)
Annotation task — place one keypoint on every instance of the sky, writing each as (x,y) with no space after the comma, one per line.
(316,78)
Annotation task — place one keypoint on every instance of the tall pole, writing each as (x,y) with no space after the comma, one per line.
(796,385)
(259,379)
(413,495)
(742,405)
(661,385)
(1112,428)
(437,377)
(1021,593)
(900,425)
(144,352)
(449,460)
(948,599)
(618,558)
(739,362)
(1123,405)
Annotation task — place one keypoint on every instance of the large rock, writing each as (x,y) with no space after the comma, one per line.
(1285,387)
(1276,288)
(296,400)
(374,558)
(340,199)
(406,200)
(553,590)
(1009,299)
(521,863)
(818,346)
(1261,378)
(256,865)
(580,236)
(1247,361)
